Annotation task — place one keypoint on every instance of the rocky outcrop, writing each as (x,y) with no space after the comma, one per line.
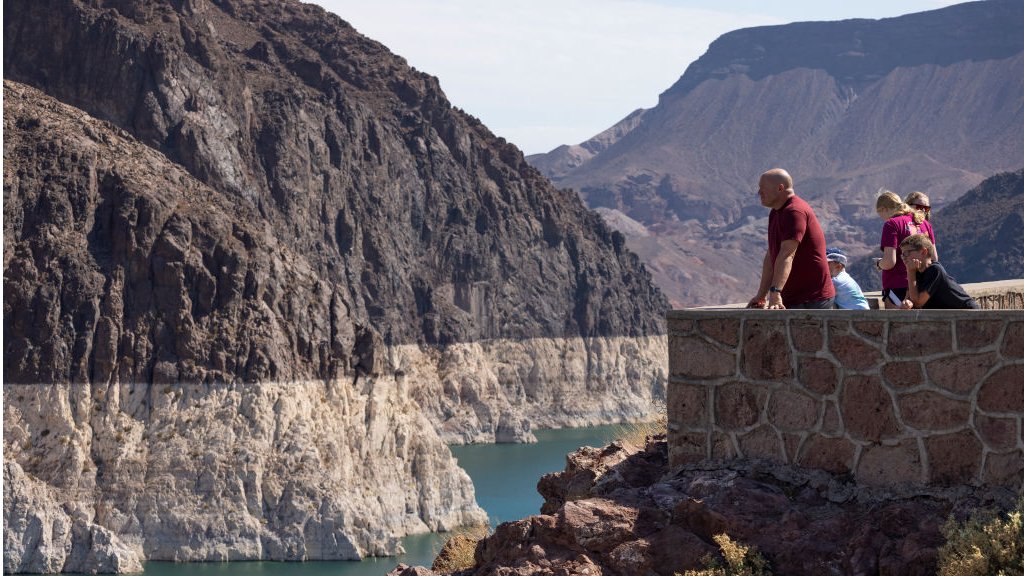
(183,342)
(981,230)
(429,228)
(257,269)
(918,102)
(41,537)
(616,512)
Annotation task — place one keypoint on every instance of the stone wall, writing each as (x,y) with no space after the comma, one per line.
(926,397)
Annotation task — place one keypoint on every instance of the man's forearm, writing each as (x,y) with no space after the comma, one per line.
(783,266)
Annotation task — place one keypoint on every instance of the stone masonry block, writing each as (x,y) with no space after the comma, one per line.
(997,433)
(1005,469)
(903,374)
(975,334)
(872,330)
(867,409)
(764,442)
(852,351)
(1003,391)
(931,411)
(686,447)
(831,422)
(693,357)
(961,373)
(724,330)
(818,375)
(739,405)
(680,326)
(766,354)
(954,458)
(832,454)
(1013,340)
(913,339)
(889,465)
(687,405)
(792,442)
(722,447)
(807,334)
(792,411)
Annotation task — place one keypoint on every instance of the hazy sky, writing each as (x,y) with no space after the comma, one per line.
(542,73)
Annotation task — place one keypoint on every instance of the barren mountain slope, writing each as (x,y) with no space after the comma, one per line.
(931,101)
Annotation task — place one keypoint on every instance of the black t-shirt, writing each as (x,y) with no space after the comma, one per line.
(942,289)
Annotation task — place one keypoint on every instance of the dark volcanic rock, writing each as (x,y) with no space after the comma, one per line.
(637,518)
(119,266)
(255,266)
(164,351)
(982,238)
(926,101)
(428,227)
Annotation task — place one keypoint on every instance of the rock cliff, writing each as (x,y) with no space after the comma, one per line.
(616,511)
(927,101)
(982,239)
(257,270)
(118,260)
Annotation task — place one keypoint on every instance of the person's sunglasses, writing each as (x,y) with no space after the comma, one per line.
(925,208)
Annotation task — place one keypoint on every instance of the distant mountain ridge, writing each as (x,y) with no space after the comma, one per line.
(930,101)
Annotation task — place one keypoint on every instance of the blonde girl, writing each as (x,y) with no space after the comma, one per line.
(901,221)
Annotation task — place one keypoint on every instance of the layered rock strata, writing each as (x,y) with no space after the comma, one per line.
(613,511)
(117,260)
(245,304)
(927,101)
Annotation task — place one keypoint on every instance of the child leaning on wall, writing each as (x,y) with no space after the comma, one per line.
(848,293)
(928,283)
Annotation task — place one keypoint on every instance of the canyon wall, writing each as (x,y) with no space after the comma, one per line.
(258,270)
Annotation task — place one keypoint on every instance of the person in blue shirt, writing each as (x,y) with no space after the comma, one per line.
(848,292)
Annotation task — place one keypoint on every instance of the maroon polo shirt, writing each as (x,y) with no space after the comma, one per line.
(809,279)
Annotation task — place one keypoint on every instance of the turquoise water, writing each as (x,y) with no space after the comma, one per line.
(505,476)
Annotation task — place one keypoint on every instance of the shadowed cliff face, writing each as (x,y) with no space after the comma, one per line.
(927,101)
(983,230)
(257,270)
(120,266)
(426,226)
(168,391)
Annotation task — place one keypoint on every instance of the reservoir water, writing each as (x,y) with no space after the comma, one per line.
(505,477)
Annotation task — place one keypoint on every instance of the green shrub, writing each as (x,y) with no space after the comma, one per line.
(986,545)
(740,560)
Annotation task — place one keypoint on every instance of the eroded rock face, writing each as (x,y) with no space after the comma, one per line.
(615,512)
(245,303)
(193,426)
(428,227)
(828,96)
(41,537)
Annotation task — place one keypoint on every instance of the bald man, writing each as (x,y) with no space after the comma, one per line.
(794,273)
